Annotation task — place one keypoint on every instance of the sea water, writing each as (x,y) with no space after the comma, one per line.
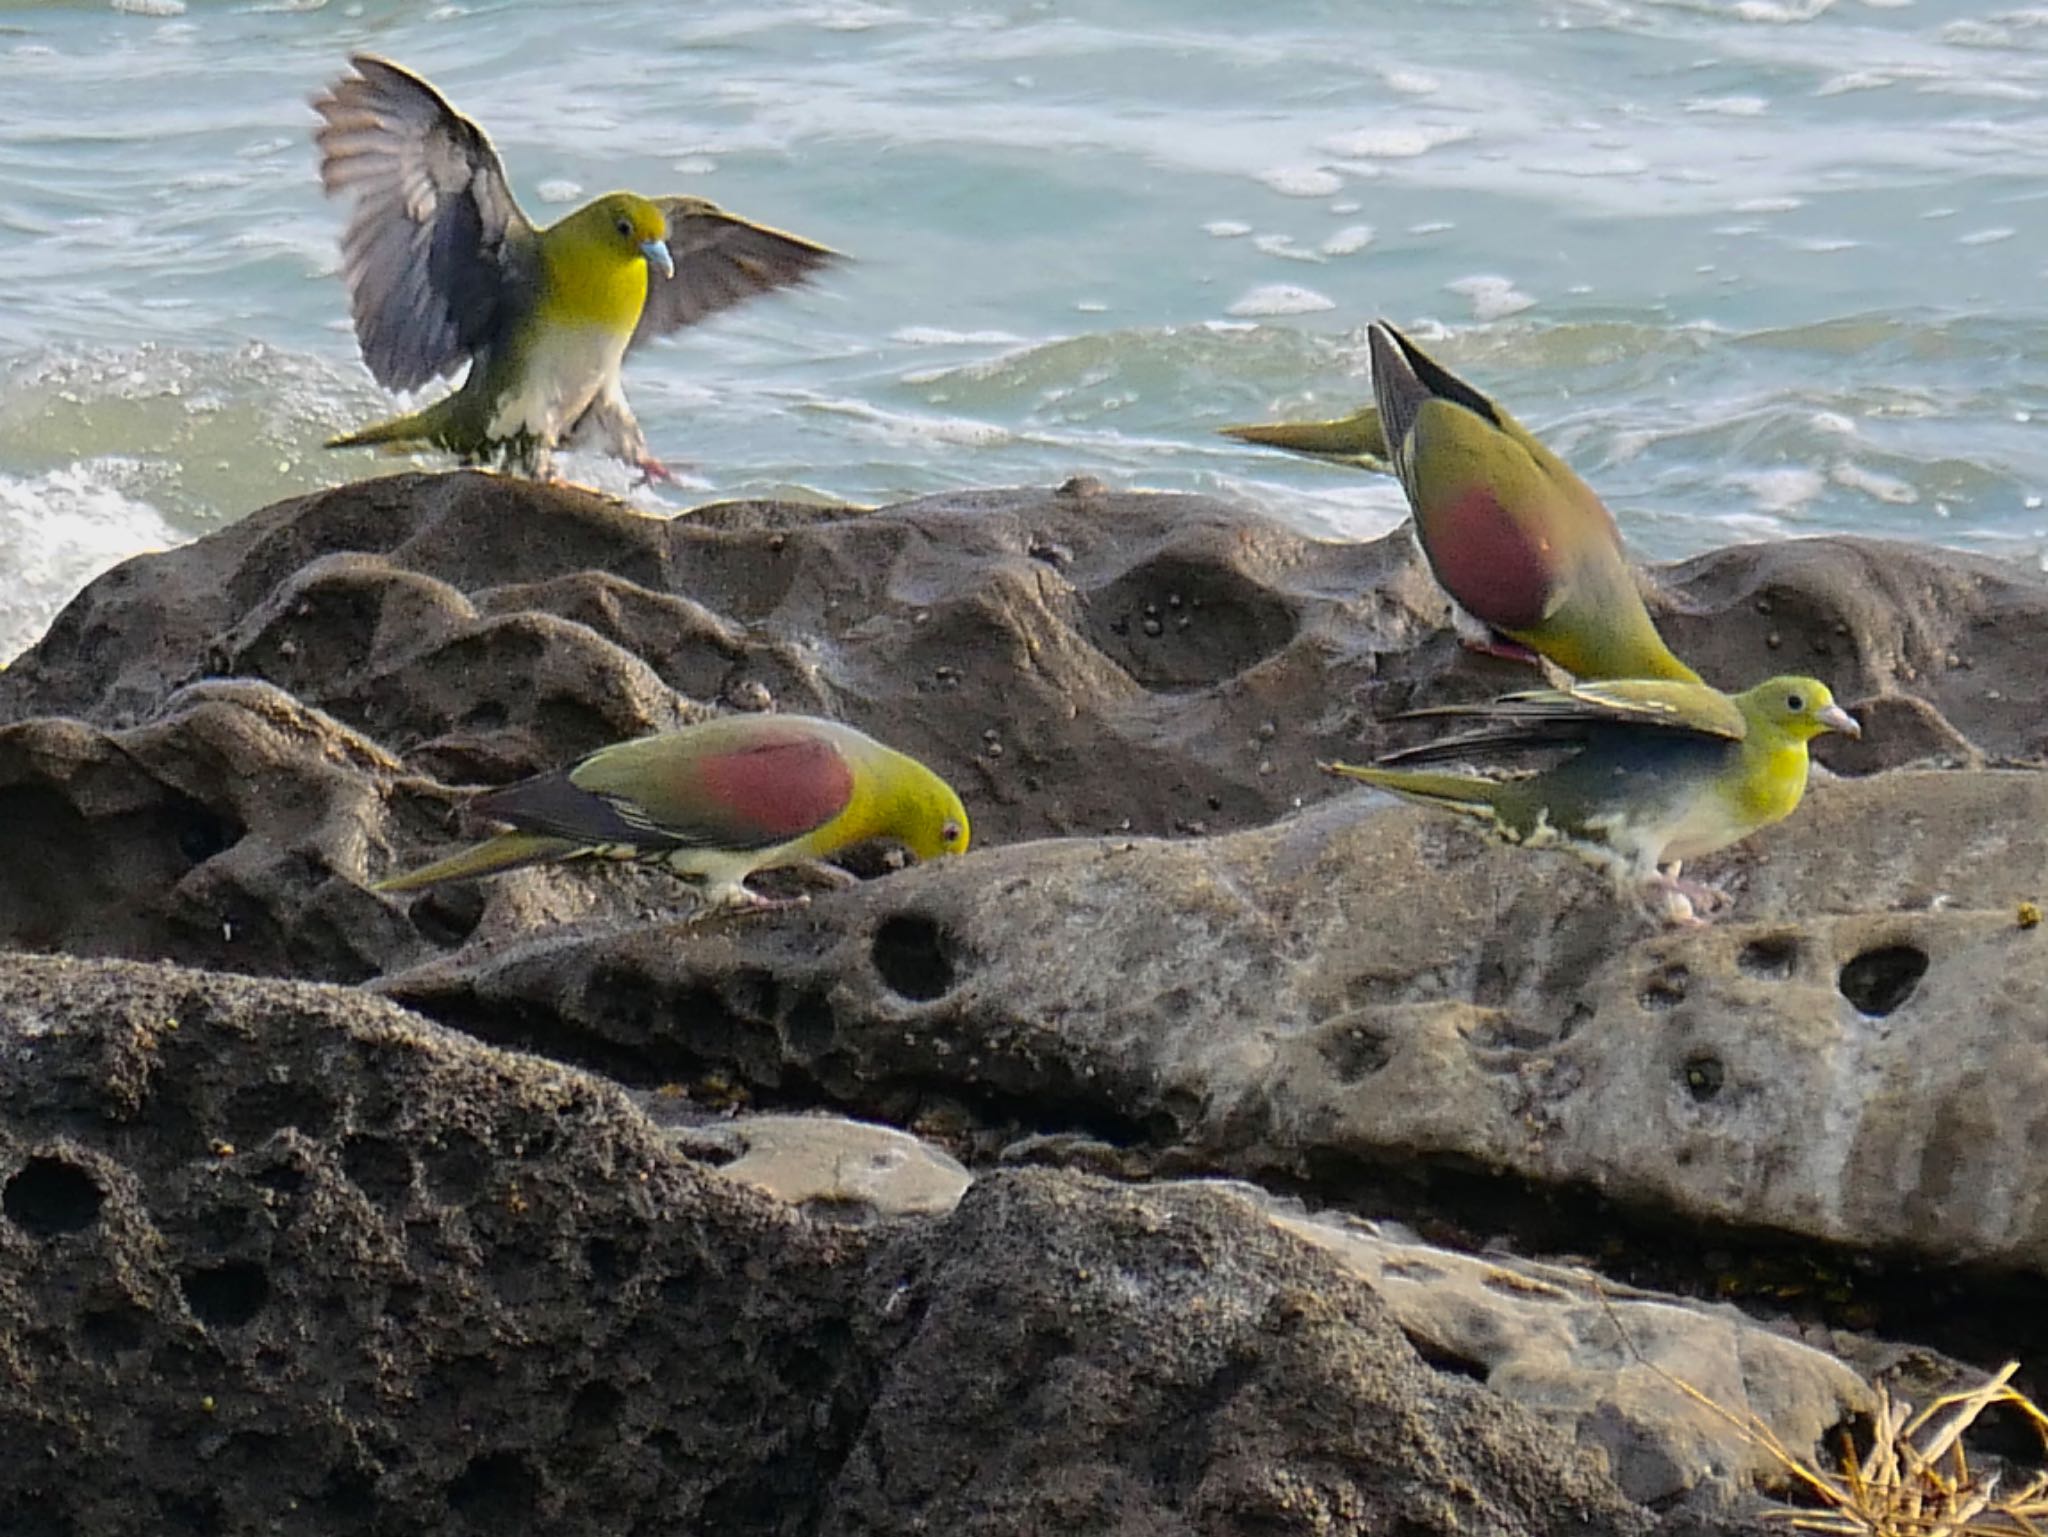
(1758,268)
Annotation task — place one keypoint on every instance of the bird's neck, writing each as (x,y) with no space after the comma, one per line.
(591,285)
(1776,780)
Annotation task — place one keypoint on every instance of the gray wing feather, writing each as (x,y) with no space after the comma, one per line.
(1547,718)
(555,804)
(435,239)
(720,260)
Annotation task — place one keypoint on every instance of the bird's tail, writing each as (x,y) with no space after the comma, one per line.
(413,430)
(1355,439)
(1455,792)
(506,851)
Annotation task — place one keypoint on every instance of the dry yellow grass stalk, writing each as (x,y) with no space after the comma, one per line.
(1915,1481)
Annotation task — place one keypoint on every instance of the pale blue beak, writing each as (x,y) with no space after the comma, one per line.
(656,252)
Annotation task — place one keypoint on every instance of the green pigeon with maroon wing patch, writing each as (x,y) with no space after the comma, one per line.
(714,803)
(1518,540)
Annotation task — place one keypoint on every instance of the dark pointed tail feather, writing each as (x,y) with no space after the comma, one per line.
(1415,377)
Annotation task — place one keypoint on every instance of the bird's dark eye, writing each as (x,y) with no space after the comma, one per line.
(1795,703)
(950,832)
(625,227)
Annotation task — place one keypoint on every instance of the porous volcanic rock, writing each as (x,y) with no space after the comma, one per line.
(1211,960)
(1365,997)
(1078,661)
(277,1257)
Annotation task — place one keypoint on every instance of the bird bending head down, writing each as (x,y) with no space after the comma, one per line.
(714,803)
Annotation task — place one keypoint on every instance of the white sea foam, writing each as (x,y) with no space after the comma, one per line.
(1302,180)
(1411,82)
(1779,491)
(58,531)
(1729,106)
(1348,241)
(940,336)
(1281,299)
(1885,488)
(1491,296)
(1284,246)
(1396,143)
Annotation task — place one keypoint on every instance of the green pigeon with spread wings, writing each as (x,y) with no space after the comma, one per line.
(444,270)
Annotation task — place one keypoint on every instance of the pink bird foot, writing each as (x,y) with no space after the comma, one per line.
(1494,644)
(1690,904)
(652,470)
(744,899)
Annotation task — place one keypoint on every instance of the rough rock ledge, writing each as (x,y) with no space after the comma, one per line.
(284,1257)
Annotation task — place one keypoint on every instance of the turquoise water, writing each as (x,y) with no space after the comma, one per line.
(1758,267)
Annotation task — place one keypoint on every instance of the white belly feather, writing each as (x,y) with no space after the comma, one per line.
(565,370)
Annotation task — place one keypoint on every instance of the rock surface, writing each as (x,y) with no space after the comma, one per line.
(1212,960)
(283,1258)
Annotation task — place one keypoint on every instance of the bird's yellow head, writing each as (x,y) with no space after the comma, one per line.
(925,814)
(1795,709)
(625,226)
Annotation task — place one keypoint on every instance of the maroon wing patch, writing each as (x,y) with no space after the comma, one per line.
(770,792)
(1496,571)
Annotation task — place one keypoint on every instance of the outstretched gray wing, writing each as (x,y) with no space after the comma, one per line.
(720,259)
(435,243)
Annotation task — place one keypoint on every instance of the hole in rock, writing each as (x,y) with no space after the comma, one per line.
(1438,1357)
(52,1196)
(203,833)
(594,1412)
(112,1331)
(447,915)
(1666,990)
(497,1490)
(227,1295)
(1879,981)
(1771,957)
(914,954)
(612,1263)
(810,1027)
(284,1178)
(1703,1077)
(253,1113)
(379,1167)
(1356,1052)
(349,1493)
(189,1512)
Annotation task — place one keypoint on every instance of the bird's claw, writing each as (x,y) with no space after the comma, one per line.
(1689,904)
(652,470)
(744,899)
